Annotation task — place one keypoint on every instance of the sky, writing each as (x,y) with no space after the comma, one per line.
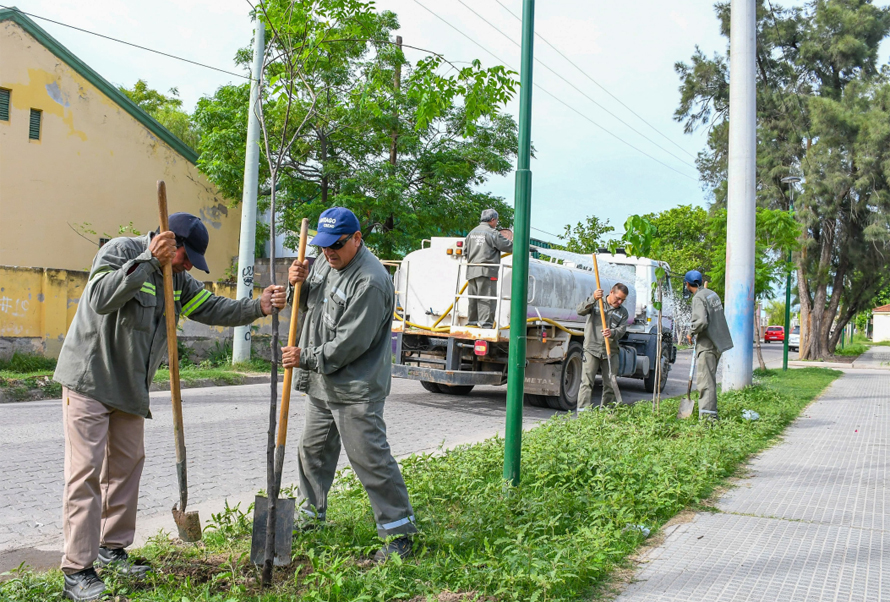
(579,169)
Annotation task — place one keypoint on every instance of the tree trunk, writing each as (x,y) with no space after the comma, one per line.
(757,333)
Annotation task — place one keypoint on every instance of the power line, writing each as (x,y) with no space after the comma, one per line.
(599,85)
(540,62)
(545,232)
(172,56)
(539,87)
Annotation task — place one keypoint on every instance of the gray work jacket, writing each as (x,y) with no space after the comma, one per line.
(484,244)
(346,339)
(119,334)
(709,322)
(616,321)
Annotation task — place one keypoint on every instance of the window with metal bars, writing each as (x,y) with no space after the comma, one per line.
(34,129)
(4,104)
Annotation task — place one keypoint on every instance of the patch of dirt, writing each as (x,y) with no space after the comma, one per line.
(447,596)
(223,569)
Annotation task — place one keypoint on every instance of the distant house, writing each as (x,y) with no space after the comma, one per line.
(881,323)
(74,150)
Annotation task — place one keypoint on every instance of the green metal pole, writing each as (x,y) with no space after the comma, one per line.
(787,306)
(521,230)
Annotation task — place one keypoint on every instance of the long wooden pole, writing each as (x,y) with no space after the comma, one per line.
(612,378)
(173,358)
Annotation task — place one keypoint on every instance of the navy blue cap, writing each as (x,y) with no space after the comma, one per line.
(694,278)
(194,235)
(334,223)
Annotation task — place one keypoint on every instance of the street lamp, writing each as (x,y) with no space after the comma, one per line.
(790,180)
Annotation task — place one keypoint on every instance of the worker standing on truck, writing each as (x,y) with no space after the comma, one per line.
(713,339)
(595,357)
(345,364)
(110,355)
(485,244)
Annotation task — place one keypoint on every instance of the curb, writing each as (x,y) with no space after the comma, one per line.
(245,379)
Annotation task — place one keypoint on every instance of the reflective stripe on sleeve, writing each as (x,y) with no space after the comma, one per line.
(195,303)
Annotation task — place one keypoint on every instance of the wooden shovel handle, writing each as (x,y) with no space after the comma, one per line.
(291,342)
(596,271)
(170,315)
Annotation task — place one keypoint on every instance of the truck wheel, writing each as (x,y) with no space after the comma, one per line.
(538,401)
(570,383)
(455,389)
(649,381)
(431,387)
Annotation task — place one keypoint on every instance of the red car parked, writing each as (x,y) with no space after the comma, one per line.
(774,333)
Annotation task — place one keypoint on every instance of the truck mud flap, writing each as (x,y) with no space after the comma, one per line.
(448,377)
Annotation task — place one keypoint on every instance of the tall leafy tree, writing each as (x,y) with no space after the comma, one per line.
(587,236)
(406,146)
(822,112)
(166,109)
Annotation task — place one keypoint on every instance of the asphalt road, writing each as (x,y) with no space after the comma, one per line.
(225,431)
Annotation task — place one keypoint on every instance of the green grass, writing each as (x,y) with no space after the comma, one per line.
(851,350)
(556,536)
(30,376)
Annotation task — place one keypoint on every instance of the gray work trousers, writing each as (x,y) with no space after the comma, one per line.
(591,365)
(361,427)
(706,382)
(481,311)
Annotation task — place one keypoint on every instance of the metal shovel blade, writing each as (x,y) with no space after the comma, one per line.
(686,407)
(284,530)
(188,524)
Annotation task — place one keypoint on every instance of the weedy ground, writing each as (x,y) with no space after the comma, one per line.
(588,483)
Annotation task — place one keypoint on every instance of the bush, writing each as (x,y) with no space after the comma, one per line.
(24,363)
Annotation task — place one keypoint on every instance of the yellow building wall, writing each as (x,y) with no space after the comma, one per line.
(37,307)
(94,163)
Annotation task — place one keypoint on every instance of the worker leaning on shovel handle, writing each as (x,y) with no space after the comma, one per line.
(597,295)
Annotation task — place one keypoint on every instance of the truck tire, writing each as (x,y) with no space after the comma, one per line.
(570,380)
(649,381)
(431,387)
(537,401)
(455,389)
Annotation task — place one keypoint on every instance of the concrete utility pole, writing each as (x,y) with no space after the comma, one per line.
(241,342)
(522,229)
(738,363)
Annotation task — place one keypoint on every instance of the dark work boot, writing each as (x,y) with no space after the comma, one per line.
(118,560)
(400,545)
(84,586)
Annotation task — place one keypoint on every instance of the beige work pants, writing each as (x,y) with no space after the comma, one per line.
(591,366)
(104,455)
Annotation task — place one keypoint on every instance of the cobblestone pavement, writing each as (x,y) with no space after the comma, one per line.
(225,430)
(809,524)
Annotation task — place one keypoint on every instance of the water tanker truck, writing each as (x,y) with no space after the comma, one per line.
(434,344)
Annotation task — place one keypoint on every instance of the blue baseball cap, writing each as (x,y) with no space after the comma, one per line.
(194,236)
(334,223)
(694,278)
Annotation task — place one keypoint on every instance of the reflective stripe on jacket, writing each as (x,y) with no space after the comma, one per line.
(118,337)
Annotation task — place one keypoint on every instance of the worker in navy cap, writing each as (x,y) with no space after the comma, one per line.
(712,340)
(111,352)
(344,361)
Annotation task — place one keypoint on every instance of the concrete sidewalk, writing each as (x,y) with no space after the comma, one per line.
(809,525)
(876,358)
